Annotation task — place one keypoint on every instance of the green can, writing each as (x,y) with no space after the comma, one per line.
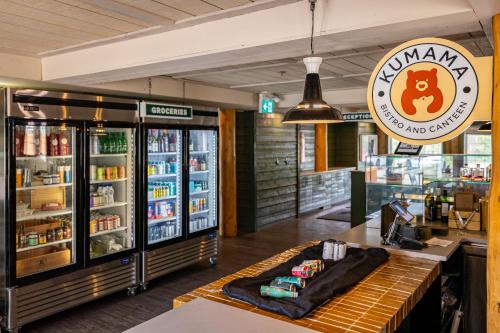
(296,280)
(277,293)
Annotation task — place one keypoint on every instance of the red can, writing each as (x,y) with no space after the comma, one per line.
(302,271)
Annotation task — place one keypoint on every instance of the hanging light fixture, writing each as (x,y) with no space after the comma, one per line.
(486,127)
(313,109)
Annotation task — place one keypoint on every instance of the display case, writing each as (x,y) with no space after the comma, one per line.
(390,177)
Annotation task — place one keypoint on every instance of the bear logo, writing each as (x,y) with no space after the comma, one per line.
(422,93)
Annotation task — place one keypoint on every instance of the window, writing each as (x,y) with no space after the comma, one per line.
(434,149)
(477,144)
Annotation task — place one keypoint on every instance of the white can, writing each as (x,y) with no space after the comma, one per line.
(328,249)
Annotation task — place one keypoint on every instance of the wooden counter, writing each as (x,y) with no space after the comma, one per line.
(379,303)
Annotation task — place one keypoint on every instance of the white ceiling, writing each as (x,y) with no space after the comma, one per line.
(340,70)
(35,27)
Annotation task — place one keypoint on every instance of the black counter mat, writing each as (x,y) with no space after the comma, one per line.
(336,279)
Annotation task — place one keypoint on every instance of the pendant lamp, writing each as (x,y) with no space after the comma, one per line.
(486,127)
(313,109)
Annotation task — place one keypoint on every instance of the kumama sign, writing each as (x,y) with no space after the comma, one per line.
(429,90)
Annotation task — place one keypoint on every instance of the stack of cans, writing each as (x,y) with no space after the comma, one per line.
(286,286)
(334,250)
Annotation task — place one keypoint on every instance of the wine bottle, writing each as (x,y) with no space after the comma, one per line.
(445,206)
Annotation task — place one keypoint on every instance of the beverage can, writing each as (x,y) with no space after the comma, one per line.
(316,265)
(114,172)
(302,271)
(276,292)
(283,285)
(67,174)
(296,280)
(108,173)
(121,172)
(328,247)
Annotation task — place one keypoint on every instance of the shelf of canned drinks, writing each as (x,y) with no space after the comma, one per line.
(108,181)
(199,212)
(163,219)
(28,248)
(37,187)
(162,198)
(43,157)
(104,232)
(162,176)
(108,155)
(43,215)
(199,192)
(112,205)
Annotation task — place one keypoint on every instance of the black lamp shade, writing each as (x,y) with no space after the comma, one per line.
(486,127)
(313,109)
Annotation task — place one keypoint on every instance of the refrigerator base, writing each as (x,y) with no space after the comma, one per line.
(42,299)
(156,263)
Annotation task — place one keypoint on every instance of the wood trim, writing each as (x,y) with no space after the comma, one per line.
(493,258)
(227,172)
(320,147)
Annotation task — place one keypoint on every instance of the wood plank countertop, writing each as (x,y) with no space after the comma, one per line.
(379,303)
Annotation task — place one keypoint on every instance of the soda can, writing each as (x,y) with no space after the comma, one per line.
(283,285)
(296,280)
(316,265)
(276,292)
(328,247)
(302,271)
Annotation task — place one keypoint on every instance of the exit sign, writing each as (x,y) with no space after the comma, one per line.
(266,104)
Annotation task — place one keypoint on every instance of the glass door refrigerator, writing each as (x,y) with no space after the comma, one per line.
(179,188)
(203,192)
(55,257)
(111,191)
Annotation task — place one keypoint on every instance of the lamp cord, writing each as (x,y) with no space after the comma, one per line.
(313,6)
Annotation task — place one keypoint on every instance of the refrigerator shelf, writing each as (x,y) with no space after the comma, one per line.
(199,152)
(108,181)
(166,219)
(108,231)
(199,212)
(162,198)
(198,172)
(162,176)
(163,154)
(199,192)
(115,204)
(28,248)
(37,187)
(162,239)
(43,157)
(108,155)
(46,214)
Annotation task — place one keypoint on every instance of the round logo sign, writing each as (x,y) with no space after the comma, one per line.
(424,91)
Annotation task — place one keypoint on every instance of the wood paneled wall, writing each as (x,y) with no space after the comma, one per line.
(273,148)
(227,153)
(320,147)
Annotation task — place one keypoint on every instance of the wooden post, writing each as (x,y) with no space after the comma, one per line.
(227,172)
(493,259)
(321,147)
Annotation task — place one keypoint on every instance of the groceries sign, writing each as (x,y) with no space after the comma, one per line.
(171,111)
(429,90)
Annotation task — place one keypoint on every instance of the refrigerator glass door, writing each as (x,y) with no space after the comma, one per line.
(164,185)
(202,180)
(45,197)
(111,192)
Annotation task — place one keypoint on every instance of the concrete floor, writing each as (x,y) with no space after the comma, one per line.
(119,312)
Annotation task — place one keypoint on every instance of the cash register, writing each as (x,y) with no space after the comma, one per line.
(401,232)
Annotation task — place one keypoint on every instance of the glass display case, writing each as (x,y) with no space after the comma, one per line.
(390,177)
(45,197)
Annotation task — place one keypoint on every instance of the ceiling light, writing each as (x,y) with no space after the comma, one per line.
(313,109)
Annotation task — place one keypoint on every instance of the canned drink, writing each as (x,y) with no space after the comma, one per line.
(296,280)
(114,173)
(121,172)
(108,173)
(302,271)
(93,172)
(283,285)
(316,265)
(277,293)
(328,247)
(67,174)
(340,250)
(100,173)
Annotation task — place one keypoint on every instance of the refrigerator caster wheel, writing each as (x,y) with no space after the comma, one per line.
(143,286)
(132,291)
(212,261)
